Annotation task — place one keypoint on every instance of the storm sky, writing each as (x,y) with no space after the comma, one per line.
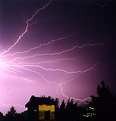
(58,48)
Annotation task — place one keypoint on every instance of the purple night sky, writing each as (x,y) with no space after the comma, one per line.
(61,48)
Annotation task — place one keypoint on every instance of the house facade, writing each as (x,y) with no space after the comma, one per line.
(41,109)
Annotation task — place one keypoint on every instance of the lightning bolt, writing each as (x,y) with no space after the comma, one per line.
(26,28)
(13,67)
(52,54)
(67,97)
(60,86)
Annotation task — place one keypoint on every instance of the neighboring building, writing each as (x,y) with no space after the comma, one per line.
(41,108)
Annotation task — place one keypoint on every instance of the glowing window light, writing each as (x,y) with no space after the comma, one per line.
(44,108)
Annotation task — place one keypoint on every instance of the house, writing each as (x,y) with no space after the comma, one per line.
(41,108)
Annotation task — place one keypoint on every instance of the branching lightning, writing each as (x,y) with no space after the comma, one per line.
(60,86)
(27,27)
(13,67)
(52,54)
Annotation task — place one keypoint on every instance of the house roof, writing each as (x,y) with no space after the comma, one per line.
(35,101)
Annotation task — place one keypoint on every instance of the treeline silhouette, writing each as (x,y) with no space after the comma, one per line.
(101,108)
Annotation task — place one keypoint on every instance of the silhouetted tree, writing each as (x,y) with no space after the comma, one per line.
(72,111)
(104,104)
(103,91)
(12,111)
(62,106)
(1,116)
(57,102)
(10,116)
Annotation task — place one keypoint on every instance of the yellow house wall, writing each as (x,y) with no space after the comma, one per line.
(46,108)
(43,108)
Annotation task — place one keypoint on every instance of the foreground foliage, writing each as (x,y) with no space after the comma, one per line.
(100,108)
